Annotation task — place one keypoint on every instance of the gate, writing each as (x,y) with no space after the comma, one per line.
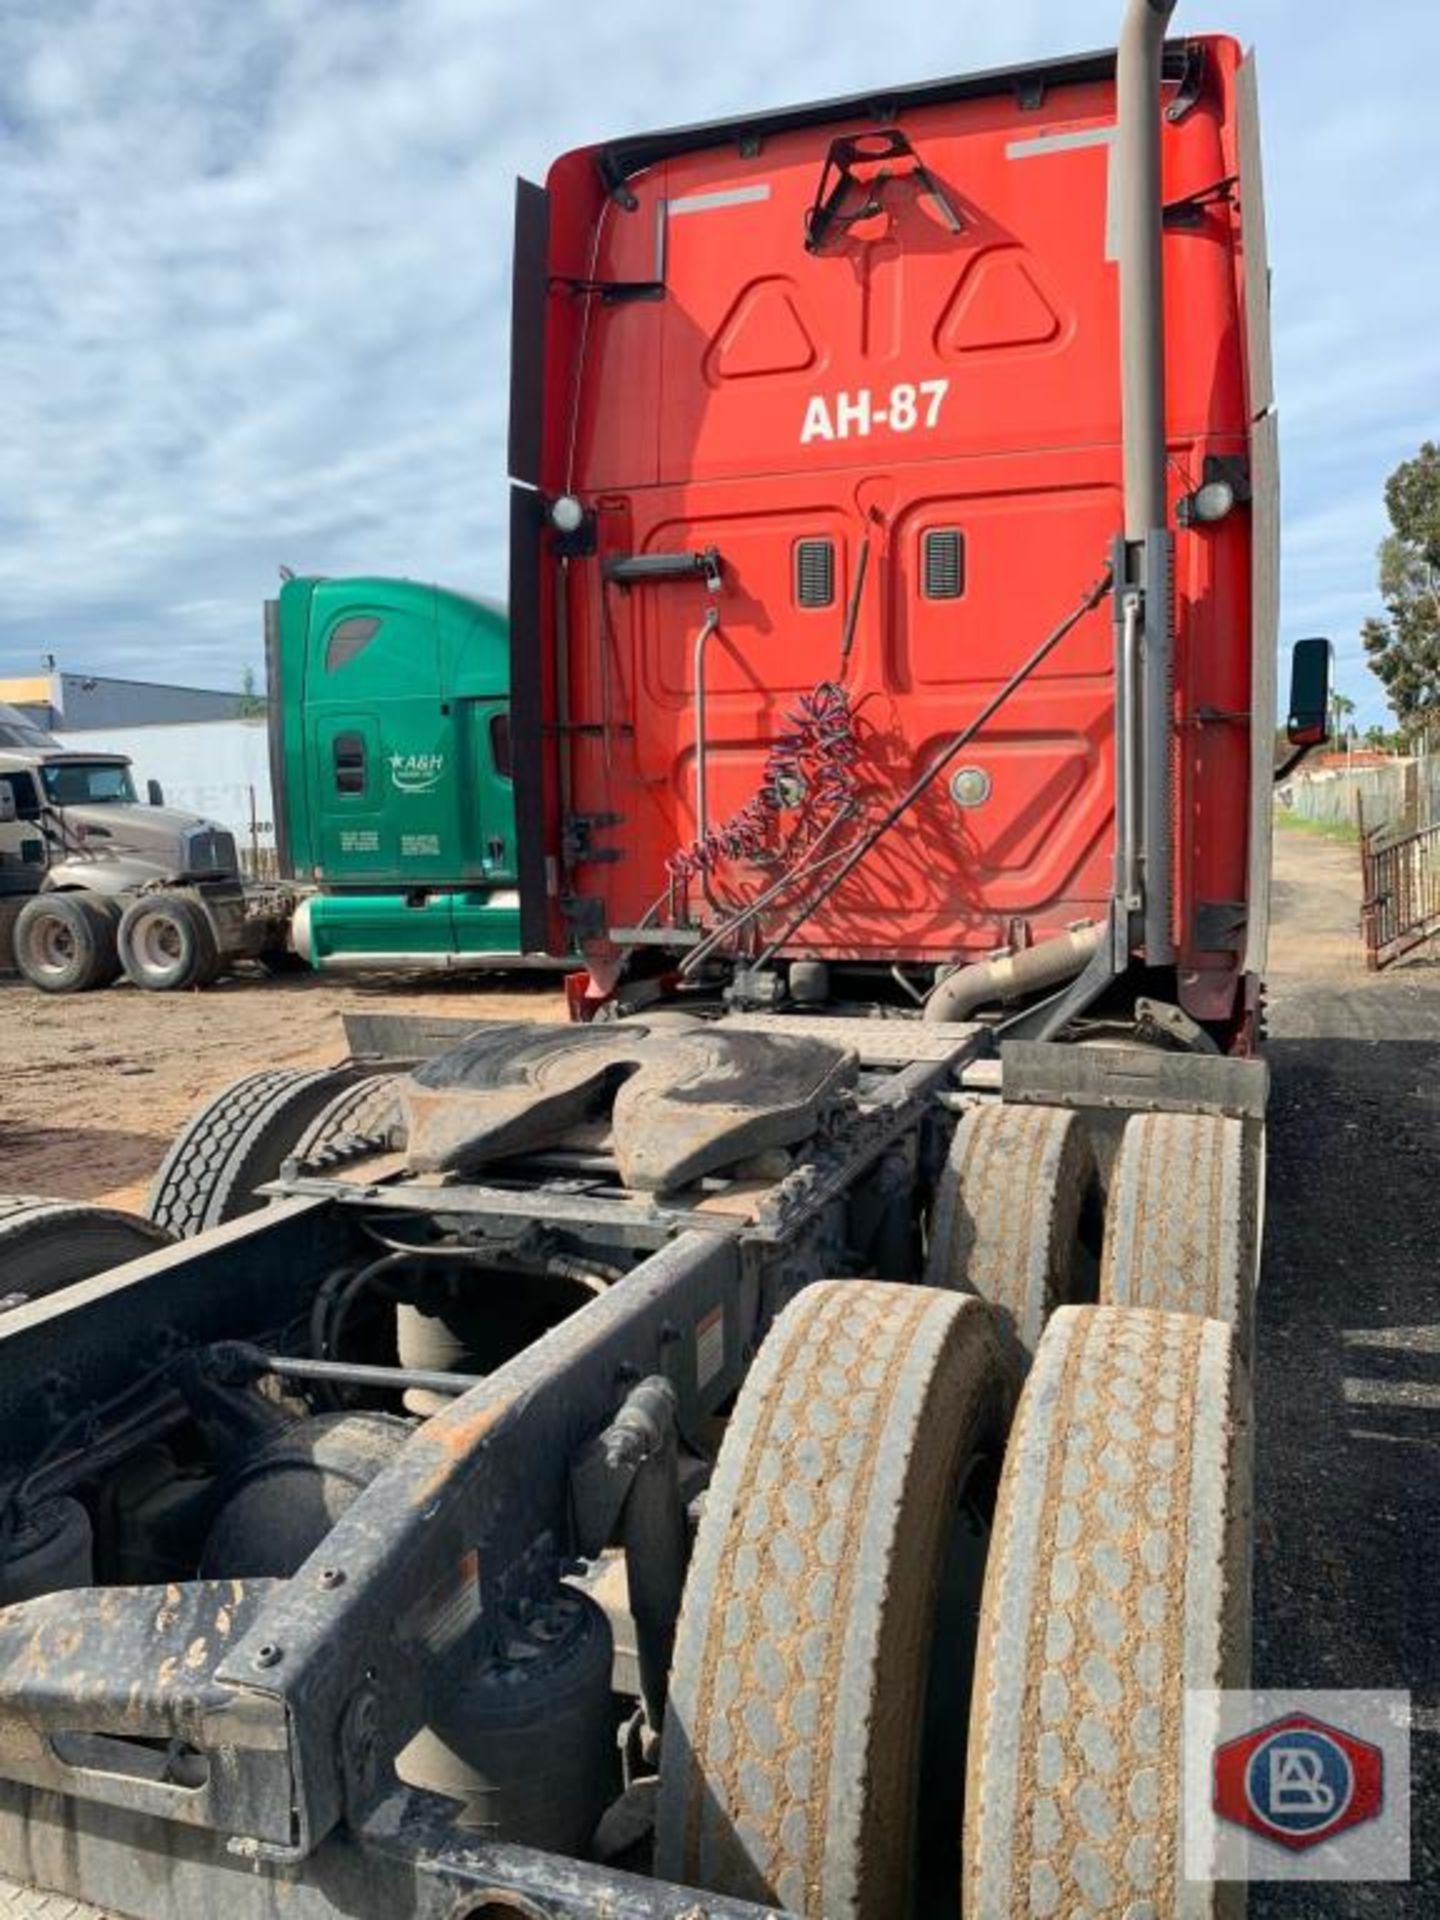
(1401,908)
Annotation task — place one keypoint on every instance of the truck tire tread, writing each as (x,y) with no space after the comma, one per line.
(1118,1578)
(1006,1218)
(1182,1220)
(791,1744)
(364,1118)
(236,1142)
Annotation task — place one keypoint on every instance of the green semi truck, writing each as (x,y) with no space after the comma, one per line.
(390,763)
(389,704)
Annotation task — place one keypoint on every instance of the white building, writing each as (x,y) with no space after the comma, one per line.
(218,768)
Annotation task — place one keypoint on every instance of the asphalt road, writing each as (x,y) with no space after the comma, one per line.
(1347,1578)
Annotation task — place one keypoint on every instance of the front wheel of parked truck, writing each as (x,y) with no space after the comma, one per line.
(65,942)
(167,944)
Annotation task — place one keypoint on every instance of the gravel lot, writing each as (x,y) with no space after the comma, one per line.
(1348,1366)
(1348,1373)
(94,1088)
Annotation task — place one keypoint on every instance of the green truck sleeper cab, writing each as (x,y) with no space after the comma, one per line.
(390,762)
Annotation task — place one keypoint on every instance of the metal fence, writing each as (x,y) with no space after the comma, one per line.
(1394,807)
(1396,791)
(1401,905)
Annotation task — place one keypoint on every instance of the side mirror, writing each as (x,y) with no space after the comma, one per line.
(155,793)
(1308,722)
(7,803)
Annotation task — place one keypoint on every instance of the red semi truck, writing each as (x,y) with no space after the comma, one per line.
(783,1444)
(827,418)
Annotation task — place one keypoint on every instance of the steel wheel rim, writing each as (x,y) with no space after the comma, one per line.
(52,945)
(157,943)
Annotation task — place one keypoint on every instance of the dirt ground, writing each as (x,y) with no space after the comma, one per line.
(94,1088)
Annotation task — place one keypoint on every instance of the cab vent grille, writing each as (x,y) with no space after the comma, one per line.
(815,573)
(944,564)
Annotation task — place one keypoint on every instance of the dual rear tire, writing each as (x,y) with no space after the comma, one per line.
(242,1137)
(836,1564)
(834,1622)
(162,942)
(1182,1219)
(851,1490)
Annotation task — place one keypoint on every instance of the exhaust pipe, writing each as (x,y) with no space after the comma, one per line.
(1034,970)
(1090,956)
(1144,590)
(1142,304)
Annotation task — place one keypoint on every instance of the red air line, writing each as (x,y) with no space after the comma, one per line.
(937,766)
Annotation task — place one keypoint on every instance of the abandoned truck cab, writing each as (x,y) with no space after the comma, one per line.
(782,1444)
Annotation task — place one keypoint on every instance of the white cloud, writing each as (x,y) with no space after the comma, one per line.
(256,291)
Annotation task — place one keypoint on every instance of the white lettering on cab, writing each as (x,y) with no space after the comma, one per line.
(846,416)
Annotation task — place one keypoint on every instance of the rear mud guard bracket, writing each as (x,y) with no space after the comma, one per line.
(1132,1080)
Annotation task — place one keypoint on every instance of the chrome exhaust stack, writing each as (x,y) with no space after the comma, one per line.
(1141,909)
(1144,586)
(1142,302)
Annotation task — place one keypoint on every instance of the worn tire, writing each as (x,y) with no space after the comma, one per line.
(1182,1223)
(167,944)
(368,1114)
(792,1745)
(236,1142)
(1006,1218)
(49,1244)
(65,942)
(1118,1578)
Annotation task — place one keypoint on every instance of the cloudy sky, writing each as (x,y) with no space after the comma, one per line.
(255,295)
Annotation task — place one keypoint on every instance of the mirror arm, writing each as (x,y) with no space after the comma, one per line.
(1288,765)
